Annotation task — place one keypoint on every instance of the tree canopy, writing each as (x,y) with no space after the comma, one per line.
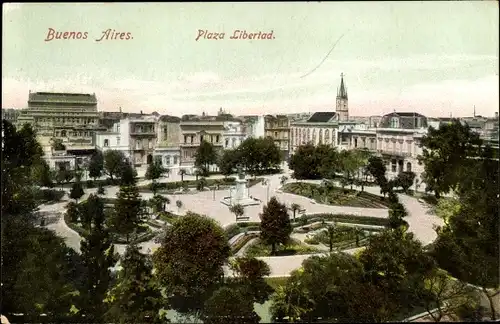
(275,225)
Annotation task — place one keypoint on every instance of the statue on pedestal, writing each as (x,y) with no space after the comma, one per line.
(241,174)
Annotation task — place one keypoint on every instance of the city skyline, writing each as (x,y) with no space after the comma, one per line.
(441,62)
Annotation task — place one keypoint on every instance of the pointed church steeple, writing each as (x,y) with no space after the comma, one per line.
(342,92)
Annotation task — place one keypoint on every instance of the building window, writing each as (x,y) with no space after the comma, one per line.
(227,142)
(167,160)
(393,166)
(175,159)
(401,166)
(356,142)
(150,144)
(185,139)
(217,138)
(165,132)
(106,143)
(408,167)
(117,140)
(394,122)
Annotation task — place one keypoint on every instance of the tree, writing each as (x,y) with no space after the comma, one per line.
(331,233)
(445,152)
(405,180)
(229,305)
(227,162)
(275,224)
(376,168)
(295,208)
(205,156)
(57,145)
(249,276)
(73,212)
(97,257)
(41,174)
(113,162)
(238,210)
(135,297)
(189,262)
(397,263)
(283,180)
(76,191)
(468,245)
(258,154)
(101,190)
(319,289)
(178,203)
(128,213)
(154,172)
(201,184)
(127,174)
(96,165)
(182,173)
(314,162)
(445,294)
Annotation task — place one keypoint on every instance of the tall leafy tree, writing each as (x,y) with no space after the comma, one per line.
(275,226)
(238,210)
(129,212)
(127,174)
(189,262)
(154,172)
(98,257)
(229,305)
(468,245)
(41,174)
(444,155)
(405,180)
(205,156)
(135,296)
(96,165)
(76,191)
(113,163)
(376,168)
(227,162)
(249,277)
(30,284)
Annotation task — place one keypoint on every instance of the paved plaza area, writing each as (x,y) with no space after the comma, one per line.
(421,222)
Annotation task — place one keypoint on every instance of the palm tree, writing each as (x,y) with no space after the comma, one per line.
(179,205)
(294,208)
(331,231)
(238,210)
(283,180)
(182,172)
(201,184)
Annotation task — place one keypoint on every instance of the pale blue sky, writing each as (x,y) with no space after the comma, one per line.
(430,57)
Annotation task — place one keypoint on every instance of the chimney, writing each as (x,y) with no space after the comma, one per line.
(496,114)
(141,112)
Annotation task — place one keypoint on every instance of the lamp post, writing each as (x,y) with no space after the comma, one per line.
(214,191)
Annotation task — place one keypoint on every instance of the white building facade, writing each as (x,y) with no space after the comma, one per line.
(233,134)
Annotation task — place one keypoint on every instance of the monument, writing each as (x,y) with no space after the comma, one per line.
(239,194)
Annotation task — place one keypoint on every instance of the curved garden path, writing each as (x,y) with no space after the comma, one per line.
(421,223)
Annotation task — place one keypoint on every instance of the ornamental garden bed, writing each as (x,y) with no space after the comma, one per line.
(341,218)
(241,242)
(335,195)
(343,236)
(144,233)
(293,247)
(178,187)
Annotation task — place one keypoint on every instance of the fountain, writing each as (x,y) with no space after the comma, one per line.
(239,194)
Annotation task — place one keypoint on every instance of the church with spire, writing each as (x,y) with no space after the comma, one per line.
(341,103)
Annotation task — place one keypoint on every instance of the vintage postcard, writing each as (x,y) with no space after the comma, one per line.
(250,162)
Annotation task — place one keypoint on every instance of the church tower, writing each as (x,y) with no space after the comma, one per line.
(342,107)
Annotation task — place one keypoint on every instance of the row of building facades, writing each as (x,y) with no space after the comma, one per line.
(75,120)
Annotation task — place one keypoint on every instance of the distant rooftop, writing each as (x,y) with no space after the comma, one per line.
(59,97)
(321,117)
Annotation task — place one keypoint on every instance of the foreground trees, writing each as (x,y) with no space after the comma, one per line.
(135,297)
(445,153)
(189,262)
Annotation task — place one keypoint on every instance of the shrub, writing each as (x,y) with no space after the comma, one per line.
(312,241)
(236,247)
(49,195)
(90,184)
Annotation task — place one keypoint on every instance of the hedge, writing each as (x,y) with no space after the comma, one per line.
(48,195)
(237,228)
(343,218)
(236,247)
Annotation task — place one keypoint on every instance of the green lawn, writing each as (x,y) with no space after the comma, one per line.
(335,195)
(294,247)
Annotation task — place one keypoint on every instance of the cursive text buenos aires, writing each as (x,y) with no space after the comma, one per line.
(237,34)
(108,34)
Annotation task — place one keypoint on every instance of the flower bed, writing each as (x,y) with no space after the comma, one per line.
(335,195)
(294,247)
